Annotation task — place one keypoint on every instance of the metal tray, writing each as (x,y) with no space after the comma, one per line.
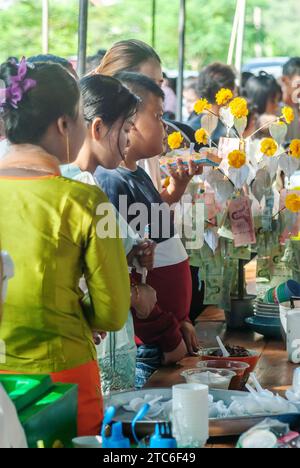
(217,427)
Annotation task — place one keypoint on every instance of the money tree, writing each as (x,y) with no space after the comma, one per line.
(249,212)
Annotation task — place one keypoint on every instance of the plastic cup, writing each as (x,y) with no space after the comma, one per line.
(240,368)
(218,379)
(252,360)
(190,415)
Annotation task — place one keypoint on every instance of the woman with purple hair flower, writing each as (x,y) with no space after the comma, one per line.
(48,224)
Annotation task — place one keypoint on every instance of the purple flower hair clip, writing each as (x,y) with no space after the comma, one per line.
(19,85)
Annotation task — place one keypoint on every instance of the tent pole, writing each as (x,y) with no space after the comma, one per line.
(153,37)
(45,33)
(181,58)
(82,36)
(233,34)
(240,36)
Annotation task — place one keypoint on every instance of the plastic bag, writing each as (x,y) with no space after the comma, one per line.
(264,435)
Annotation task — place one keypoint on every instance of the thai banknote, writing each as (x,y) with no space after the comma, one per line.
(241,220)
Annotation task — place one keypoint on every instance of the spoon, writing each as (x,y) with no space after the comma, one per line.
(258,387)
(222,347)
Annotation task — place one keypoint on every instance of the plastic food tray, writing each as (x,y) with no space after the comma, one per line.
(217,427)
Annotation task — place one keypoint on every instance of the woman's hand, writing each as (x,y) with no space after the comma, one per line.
(190,337)
(98,337)
(144,253)
(143,300)
(174,356)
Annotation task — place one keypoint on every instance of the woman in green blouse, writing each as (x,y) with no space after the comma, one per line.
(49,226)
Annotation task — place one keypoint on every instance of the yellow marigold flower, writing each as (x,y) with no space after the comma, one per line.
(175,140)
(224,96)
(237,159)
(295,149)
(202,105)
(288,115)
(292,203)
(239,107)
(201,136)
(269,147)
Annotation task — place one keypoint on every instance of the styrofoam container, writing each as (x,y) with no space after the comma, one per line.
(285,307)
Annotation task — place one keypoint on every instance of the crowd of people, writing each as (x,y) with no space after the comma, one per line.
(99,298)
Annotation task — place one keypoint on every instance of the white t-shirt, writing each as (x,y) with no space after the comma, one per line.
(11,432)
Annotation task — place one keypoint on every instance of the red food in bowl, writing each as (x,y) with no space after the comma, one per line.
(240,368)
(252,359)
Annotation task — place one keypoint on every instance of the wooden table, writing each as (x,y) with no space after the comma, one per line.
(274,371)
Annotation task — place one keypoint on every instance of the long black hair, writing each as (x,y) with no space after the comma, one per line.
(55,94)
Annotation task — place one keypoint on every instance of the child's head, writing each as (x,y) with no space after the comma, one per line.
(132,56)
(109,110)
(148,135)
(41,106)
(263,93)
(291,82)
(213,78)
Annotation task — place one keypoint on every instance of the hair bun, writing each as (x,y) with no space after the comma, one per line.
(36,98)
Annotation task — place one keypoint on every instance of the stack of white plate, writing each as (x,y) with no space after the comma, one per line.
(266,319)
(266,310)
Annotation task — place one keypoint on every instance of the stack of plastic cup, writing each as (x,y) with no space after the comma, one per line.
(283,293)
(190,415)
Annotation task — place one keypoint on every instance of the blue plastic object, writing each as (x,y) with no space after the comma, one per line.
(117,439)
(162,438)
(140,415)
(108,417)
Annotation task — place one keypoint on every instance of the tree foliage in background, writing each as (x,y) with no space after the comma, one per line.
(284,26)
(209,24)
